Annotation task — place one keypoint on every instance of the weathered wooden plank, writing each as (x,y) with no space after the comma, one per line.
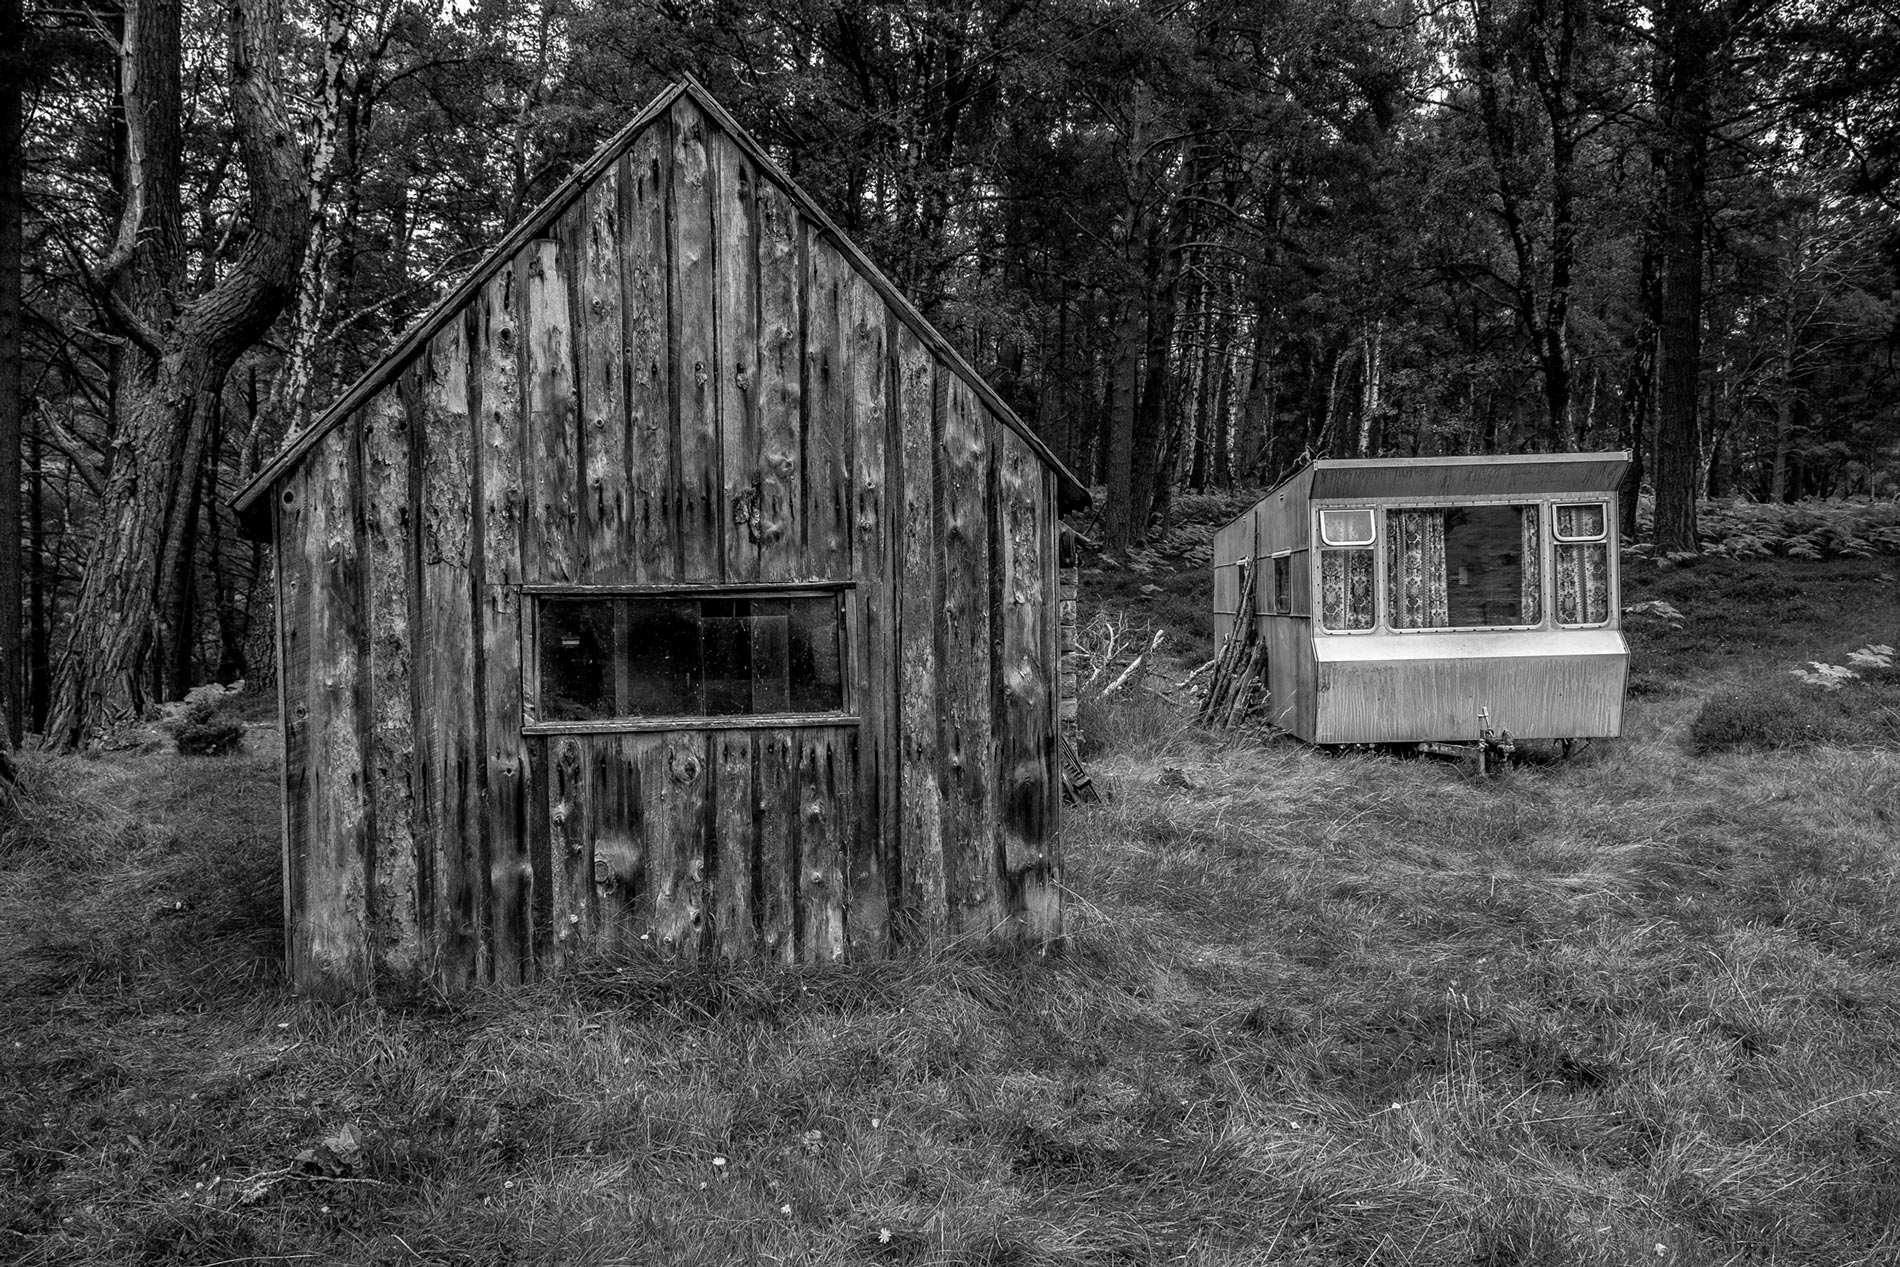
(650,473)
(734,845)
(827,441)
(1053,634)
(395,929)
(448,717)
(777,474)
(827,819)
(867,402)
(559,766)
(520,373)
(698,530)
(777,856)
(920,859)
(1024,679)
(613,826)
(675,792)
(966,736)
(736,338)
(551,432)
(329,941)
(292,577)
(607,551)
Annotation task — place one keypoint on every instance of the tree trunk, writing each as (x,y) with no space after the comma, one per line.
(12,134)
(180,353)
(1685,123)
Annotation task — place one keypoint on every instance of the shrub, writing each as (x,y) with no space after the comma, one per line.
(1768,716)
(208,730)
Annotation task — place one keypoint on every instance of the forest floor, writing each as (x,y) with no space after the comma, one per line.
(1642,1006)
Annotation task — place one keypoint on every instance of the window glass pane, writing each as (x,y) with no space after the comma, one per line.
(1581,523)
(685,657)
(1345,589)
(1463,567)
(1302,580)
(577,640)
(1583,583)
(1283,585)
(814,670)
(725,651)
(1345,527)
(660,667)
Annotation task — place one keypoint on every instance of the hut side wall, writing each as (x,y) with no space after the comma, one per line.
(685,383)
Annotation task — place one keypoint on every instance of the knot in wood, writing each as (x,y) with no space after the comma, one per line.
(683,765)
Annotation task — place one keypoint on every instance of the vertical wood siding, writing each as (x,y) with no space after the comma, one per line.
(863,338)
(685,380)
(394,894)
(967,732)
(697,529)
(923,882)
(448,712)
(329,837)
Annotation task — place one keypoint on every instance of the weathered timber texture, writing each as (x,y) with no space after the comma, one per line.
(1024,677)
(736,355)
(683,390)
(874,642)
(609,552)
(827,443)
(774,519)
(966,735)
(652,554)
(501,503)
(449,731)
(394,902)
(698,530)
(330,845)
(923,881)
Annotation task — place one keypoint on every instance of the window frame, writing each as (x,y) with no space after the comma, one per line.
(1612,566)
(1557,535)
(1328,543)
(533,595)
(1510,501)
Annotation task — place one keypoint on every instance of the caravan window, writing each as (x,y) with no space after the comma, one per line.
(1345,527)
(1580,558)
(1463,567)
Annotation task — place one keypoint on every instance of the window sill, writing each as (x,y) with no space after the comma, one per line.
(651,725)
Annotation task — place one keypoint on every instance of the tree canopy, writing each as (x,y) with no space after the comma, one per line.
(1191,241)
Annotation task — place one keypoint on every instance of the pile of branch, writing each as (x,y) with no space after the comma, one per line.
(1233,690)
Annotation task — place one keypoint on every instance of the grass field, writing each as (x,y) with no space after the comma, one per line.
(1639,1007)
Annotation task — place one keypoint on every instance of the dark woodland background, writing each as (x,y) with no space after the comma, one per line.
(1192,241)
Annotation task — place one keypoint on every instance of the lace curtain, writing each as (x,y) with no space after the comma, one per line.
(1531,588)
(1345,589)
(1583,583)
(1415,546)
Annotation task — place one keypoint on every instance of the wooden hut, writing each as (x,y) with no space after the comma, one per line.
(1408,600)
(672,585)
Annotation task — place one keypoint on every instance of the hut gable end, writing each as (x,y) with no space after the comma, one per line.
(671,588)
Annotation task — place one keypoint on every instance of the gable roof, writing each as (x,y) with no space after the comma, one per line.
(249,503)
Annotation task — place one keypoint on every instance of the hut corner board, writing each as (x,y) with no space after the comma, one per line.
(671,588)
(1414,600)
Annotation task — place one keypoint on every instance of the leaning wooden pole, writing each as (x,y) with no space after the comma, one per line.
(1230,686)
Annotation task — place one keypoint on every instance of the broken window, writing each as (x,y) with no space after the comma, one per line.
(646,656)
